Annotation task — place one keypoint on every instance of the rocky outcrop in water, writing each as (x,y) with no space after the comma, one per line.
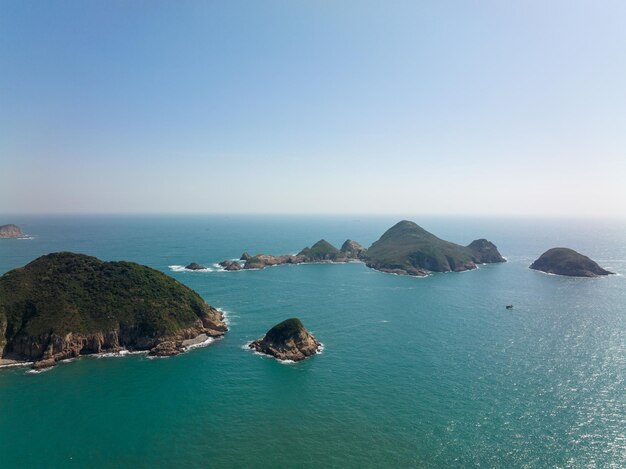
(322,251)
(195,266)
(64,305)
(485,252)
(351,250)
(565,261)
(10,231)
(230,265)
(288,340)
(260,261)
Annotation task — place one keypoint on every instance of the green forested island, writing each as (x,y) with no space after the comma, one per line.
(63,305)
(565,261)
(408,249)
(288,340)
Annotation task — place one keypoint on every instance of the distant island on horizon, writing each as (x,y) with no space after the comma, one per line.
(11,231)
(404,249)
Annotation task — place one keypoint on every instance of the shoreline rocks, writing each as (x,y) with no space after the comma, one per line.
(320,252)
(230,265)
(567,262)
(288,340)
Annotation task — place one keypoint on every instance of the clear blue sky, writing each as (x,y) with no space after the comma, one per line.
(485,107)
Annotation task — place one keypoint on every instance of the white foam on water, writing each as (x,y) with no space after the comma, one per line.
(13,365)
(182,268)
(26,237)
(119,354)
(36,372)
(246,346)
(228,315)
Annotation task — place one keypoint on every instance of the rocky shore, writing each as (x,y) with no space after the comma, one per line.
(322,251)
(288,340)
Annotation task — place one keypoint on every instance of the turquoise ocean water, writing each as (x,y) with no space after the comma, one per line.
(416,372)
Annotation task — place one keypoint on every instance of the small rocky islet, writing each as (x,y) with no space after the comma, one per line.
(288,340)
(11,231)
(195,266)
(63,305)
(567,262)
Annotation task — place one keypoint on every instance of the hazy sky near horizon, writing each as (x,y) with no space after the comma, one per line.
(453,107)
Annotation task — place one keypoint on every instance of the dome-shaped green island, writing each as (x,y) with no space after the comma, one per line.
(63,305)
(288,340)
(408,249)
(565,261)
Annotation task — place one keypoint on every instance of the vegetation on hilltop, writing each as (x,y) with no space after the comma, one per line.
(64,293)
(565,261)
(320,251)
(407,248)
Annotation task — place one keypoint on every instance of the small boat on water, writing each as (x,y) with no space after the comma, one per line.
(509,306)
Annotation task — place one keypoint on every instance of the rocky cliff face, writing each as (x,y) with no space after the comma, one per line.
(565,261)
(64,305)
(288,340)
(3,331)
(10,231)
(47,349)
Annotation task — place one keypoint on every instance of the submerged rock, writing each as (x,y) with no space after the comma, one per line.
(288,340)
(195,266)
(565,261)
